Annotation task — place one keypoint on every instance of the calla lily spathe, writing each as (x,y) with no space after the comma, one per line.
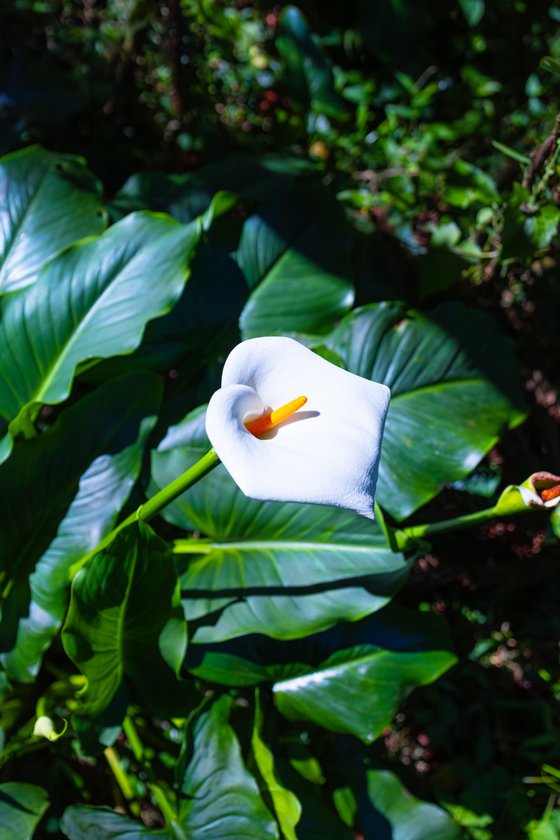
(327,453)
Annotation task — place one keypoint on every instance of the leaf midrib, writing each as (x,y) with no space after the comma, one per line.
(293,545)
(123,612)
(16,231)
(476,380)
(77,330)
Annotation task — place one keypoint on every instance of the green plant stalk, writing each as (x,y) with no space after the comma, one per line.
(121,778)
(404,537)
(157,502)
(135,744)
(178,486)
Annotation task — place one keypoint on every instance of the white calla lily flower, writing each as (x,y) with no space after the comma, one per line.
(327,454)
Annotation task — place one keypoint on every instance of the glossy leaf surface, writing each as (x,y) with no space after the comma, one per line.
(119,634)
(299,277)
(92,301)
(410,818)
(358,690)
(48,202)
(351,678)
(220,798)
(282,570)
(454,384)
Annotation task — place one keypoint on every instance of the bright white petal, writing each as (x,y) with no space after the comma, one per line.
(327,453)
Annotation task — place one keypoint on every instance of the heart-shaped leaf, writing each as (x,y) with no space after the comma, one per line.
(349,679)
(283,570)
(68,486)
(220,799)
(455,388)
(91,301)
(48,202)
(358,690)
(299,275)
(121,633)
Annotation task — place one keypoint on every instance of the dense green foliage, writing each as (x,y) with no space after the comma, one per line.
(380,181)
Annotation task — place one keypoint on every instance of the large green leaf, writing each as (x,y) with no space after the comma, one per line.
(125,626)
(82,822)
(298,274)
(21,808)
(66,488)
(358,690)
(349,679)
(455,388)
(284,570)
(220,799)
(48,202)
(409,818)
(91,301)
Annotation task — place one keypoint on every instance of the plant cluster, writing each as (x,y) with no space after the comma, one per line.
(382,184)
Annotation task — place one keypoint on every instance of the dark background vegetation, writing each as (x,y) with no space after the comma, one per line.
(435,125)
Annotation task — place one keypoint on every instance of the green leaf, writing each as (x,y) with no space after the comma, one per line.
(542,228)
(281,570)
(358,690)
(125,628)
(410,818)
(546,829)
(351,678)
(242,662)
(473,10)
(550,64)
(91,301)
(66,487)
(511,153)
(220,799)
(21,808)
(306,68)
(299,275)
(48,202)
(82,822)
(455,388)
(286,804)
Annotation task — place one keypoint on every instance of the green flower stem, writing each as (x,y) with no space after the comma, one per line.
(404,537)
(121,778)
(135,744)
(157,502)
(202,467)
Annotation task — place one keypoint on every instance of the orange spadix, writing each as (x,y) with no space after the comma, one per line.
(274,418)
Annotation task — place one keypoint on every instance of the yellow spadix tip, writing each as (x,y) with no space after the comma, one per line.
(268,421)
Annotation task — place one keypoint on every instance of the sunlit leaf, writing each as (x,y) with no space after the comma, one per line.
(92,301)
(410,818)
(284,570)
(48,202)
(455,388)
(298,275)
